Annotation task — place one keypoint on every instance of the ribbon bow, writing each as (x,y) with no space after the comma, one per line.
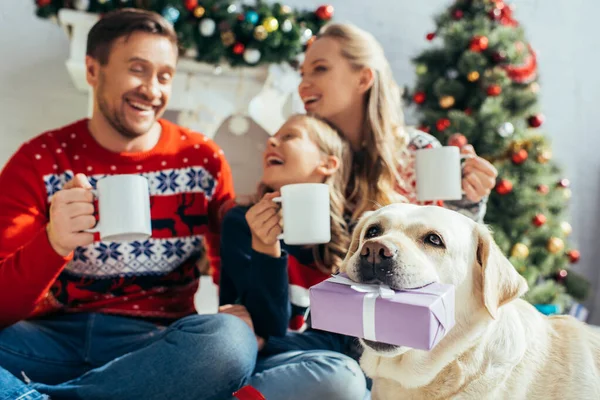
(372,292)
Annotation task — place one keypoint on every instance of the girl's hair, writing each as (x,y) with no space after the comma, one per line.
(375,177)
(329,256)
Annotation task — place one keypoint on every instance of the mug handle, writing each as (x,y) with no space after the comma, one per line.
(96,228)
(280,201)
(463,158)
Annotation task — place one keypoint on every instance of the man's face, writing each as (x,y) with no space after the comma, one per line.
(133,88)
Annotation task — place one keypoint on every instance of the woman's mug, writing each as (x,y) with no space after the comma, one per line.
(306,213)
(123,208)
(439,173)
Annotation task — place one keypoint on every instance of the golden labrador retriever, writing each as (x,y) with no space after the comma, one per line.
(500,348)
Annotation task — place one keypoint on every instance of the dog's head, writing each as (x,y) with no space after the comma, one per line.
(407,246)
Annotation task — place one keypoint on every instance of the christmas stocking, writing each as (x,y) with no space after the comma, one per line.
(267,108)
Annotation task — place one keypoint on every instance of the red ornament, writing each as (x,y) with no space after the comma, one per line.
(43,3)
(520,156)
(442,124)
(468,111)
(419,97)
(479,44)
(535,121)
(504,186)
(325,12)
(457,139)
(543,189)
(430,36)
(506,15)
(190,4)
(458,14)
(495,14)
(238,48)
(539,220)
(241,17)
(564,183)
(562,274)
(494,90)
(499,56)
(424,128)
(574,256)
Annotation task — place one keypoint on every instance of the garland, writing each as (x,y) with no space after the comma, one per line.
(221,31)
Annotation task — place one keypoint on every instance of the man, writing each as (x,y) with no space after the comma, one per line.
(81,318)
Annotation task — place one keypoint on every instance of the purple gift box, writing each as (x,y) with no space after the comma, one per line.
(416,318)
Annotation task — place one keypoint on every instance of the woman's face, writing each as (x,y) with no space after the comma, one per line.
(292,157)
(330,86)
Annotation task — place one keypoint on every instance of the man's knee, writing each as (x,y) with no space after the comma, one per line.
(222,342)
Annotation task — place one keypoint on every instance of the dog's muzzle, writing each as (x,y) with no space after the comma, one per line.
(377,261)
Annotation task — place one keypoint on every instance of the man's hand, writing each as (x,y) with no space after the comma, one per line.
(71,211)
(241,312)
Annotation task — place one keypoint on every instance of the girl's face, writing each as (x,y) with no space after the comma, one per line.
(330,86)
(292,157)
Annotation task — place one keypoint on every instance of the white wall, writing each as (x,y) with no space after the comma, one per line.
(36,93)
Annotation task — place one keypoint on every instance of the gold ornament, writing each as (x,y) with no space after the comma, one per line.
(566,228)
(260,33)
(421,69)
(534,87)
(446,101)
(228,38)
(271,24)
(286,9)
(520,250)
(555,245)
(544,156)
(567,193)
(473,76)
(199,12)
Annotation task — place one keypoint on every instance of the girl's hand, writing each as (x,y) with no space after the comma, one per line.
(264,221)
(479,175)
(242,313)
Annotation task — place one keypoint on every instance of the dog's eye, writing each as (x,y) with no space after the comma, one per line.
(373,231)
(434,239)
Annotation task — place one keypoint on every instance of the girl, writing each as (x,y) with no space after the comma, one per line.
(270,280)
(347,80)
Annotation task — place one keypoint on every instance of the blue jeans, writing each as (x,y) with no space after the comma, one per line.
(96,356)
(309,365)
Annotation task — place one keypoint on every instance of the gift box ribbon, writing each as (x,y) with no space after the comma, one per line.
(372,292)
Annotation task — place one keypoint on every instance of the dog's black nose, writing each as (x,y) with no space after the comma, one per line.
(377,261)
(374,252)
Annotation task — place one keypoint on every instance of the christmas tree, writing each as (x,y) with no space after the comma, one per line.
(477,83)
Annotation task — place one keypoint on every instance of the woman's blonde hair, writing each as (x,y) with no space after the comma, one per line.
(375,177)
(329,256)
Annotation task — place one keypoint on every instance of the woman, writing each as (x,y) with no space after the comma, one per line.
(347,80)
(257,270)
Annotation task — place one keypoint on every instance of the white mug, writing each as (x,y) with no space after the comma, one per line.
(439,173)
(306,213)
(123,208)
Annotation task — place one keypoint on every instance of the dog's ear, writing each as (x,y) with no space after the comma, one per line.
(355,238)
(500,281)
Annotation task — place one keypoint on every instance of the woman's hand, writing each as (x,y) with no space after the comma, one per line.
(479,175)
(242,313)
(264,221)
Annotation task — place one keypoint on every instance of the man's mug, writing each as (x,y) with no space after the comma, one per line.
(439,173)
(306,213)
(123,208)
